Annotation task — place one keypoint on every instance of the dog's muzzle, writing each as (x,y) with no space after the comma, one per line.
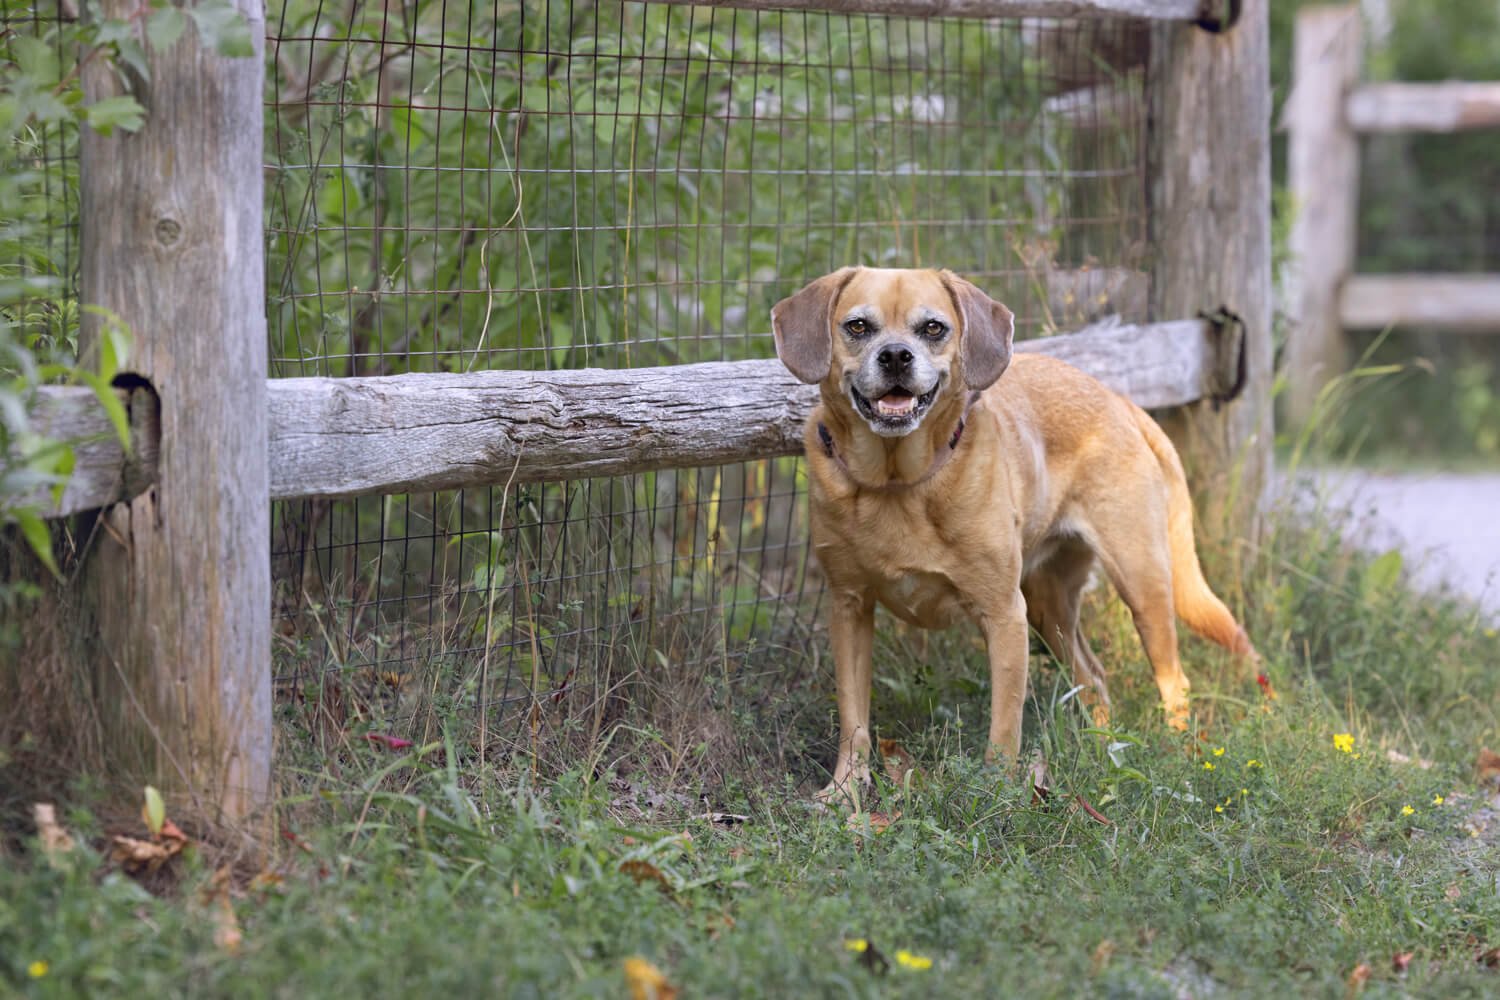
(894,388)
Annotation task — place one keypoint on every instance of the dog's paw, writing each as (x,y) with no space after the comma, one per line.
(847,794)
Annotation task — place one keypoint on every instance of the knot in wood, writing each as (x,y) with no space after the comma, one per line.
(168,231)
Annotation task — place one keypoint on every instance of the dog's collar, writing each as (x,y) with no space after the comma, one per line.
(938,461)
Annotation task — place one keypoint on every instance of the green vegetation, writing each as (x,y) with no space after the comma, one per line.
(1272,852)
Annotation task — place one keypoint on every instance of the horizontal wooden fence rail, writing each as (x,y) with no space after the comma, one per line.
(1158,10)
(344,437)
(1461,303)
(1423,107)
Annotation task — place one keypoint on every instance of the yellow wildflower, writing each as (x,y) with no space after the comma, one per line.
(1218,809)
(1208,765)
(1344,742)
(1218,751)
(1244,791)
(1252,762)
(1407,810)
(1437,800)
(37,969)
(910,961)
(856,944)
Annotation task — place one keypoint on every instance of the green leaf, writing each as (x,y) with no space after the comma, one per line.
(1381,575)
(164,27)
(133,54)
(34,530)
(112,407)
(63,467)
(223,28)
(156,811)
(116,112)
(36,60)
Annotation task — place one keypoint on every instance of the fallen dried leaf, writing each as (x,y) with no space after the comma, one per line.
(646,981)
(645,871)
(1401,961)
(227,934)
(1453,892)
(737,852)
(1093,813)
(898,762)
(1487,766)
(1490,959)
(266,881)
(876,822)
(138,856)
(1358,978)
(871,958)
(1102,954)
(56,841)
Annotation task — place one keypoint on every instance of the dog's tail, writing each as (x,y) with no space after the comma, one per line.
(1196,604)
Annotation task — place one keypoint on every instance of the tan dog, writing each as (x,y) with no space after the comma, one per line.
(948,493)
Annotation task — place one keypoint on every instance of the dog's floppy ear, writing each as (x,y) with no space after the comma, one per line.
(988,330)
(802,326)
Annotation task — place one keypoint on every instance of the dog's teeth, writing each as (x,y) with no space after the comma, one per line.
(901,404)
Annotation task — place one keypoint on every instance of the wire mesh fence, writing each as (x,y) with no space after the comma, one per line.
(558,183)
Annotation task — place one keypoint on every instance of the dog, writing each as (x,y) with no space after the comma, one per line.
(951,481)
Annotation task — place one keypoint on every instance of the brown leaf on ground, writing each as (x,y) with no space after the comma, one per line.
(898,762)
(1358,978)
(645,871)
(1102,954)
(1487,766)
(876,821)
(1452,892)
(646,981)
(1401,961)
(227,934)
(142,856)
(1489,958)
(1093,814)
(1041,780)
(56,841)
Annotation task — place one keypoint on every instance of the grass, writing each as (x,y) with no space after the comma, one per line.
(1285,866)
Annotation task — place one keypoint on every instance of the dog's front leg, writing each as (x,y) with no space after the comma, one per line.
(852,629)
(1006,640)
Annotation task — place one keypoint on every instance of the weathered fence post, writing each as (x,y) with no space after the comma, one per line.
(1323,174)
(175,592)
(1210,225)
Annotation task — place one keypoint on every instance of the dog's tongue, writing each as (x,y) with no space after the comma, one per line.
(894,404)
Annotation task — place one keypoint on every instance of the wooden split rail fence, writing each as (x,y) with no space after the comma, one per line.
(1328,111)
(176,593)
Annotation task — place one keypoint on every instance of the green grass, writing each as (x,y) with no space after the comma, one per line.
(422,873)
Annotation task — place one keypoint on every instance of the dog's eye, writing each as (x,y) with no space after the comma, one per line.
(933,329)
(857,327)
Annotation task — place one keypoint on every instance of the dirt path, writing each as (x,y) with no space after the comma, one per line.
(1447,526)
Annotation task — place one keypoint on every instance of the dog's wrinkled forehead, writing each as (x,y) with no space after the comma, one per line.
(895,300)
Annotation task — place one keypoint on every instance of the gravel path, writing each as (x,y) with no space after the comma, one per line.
(1447,526)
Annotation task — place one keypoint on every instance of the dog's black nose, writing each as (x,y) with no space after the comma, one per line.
(895,358)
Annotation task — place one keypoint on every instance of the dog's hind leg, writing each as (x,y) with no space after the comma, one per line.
(1137,562)
(1054,592)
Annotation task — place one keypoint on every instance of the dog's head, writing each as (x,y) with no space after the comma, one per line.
(893,342)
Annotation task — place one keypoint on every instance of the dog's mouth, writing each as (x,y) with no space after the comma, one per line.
(896,412)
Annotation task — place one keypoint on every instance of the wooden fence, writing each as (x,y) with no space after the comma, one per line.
(177,589)
(1328,111)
